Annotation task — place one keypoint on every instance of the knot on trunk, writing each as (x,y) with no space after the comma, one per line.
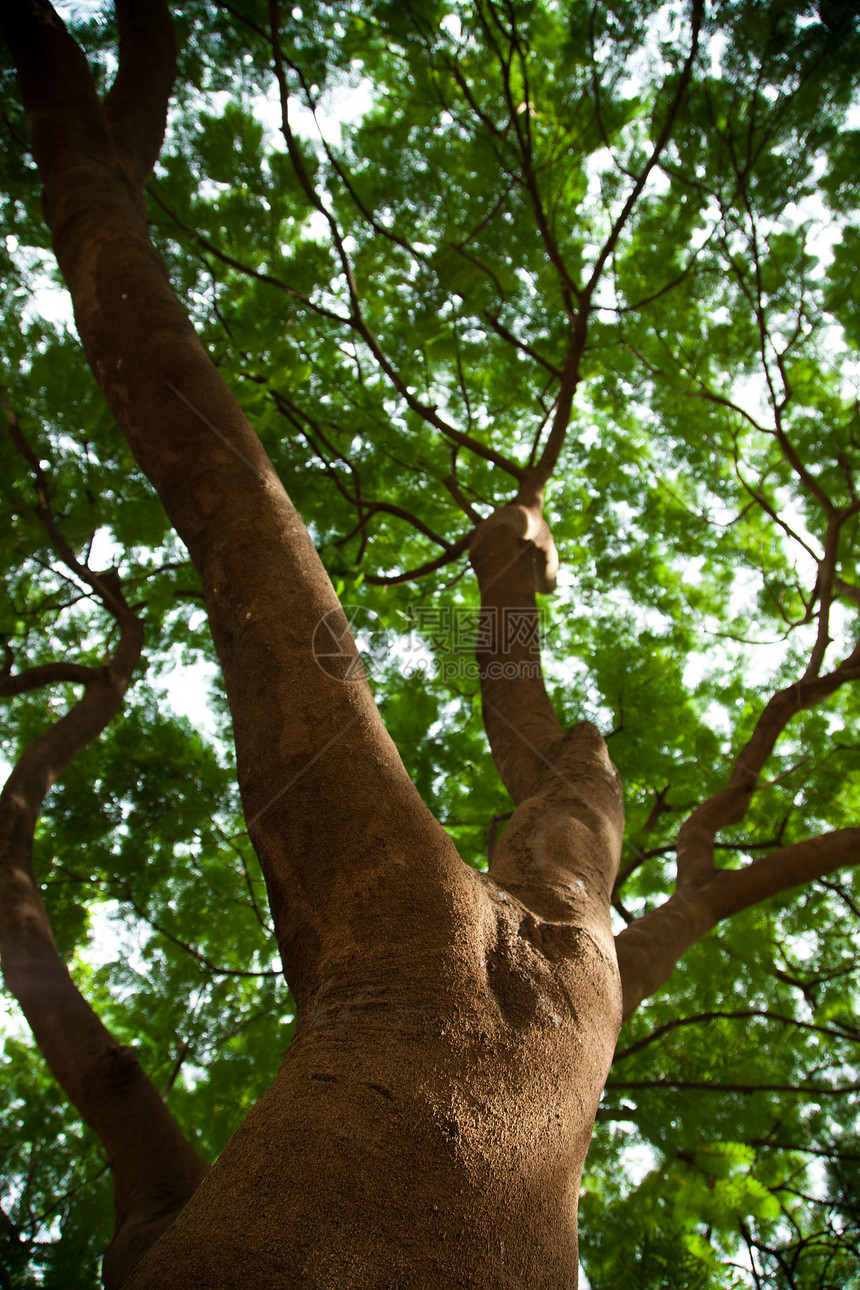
(561,849)
(525,517)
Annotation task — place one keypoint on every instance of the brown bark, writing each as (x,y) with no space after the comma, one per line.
(561,849)
(265,589)
(514,557)
(430,1121)
(431,1117)
(136,103)
(45,674)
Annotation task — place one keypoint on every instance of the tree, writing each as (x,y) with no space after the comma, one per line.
(568,274)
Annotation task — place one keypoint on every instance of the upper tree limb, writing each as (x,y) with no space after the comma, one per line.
(296,726)
(650,947)
(559,854)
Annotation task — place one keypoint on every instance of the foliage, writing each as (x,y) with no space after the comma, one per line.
(412,271)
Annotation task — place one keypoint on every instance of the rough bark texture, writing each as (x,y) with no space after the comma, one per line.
(430,1121)
(431,1118)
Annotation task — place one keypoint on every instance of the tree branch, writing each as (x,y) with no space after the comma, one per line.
(793,865)
(729,806)
(745,1014)
(559,853)
(513,555)
(453,553)
(135,106)
(705,1086)
(46,674)
(357,320)
(257,274)
(154,1168)
(266,591)
(662,139)
(650,947)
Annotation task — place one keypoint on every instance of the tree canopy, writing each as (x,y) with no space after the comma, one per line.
(439,249)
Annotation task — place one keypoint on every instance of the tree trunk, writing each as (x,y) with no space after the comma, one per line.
(430,1121)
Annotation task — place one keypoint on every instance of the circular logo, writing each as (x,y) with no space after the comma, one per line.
(349,642)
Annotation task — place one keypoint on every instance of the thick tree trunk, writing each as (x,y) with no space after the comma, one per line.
(429,1124)
(430,1121)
